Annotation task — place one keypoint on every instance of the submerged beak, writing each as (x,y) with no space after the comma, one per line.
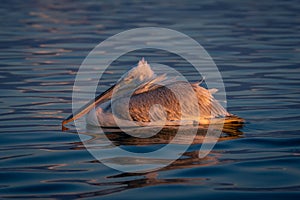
(89,106)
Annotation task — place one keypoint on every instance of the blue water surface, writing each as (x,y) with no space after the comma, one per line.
(256,46)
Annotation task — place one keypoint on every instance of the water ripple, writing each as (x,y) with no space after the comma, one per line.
(254,44)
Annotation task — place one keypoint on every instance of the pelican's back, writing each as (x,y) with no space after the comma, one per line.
(172,108)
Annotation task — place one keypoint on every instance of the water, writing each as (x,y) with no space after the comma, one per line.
(255,44)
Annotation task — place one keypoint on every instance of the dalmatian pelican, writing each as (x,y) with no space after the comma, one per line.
(141,88)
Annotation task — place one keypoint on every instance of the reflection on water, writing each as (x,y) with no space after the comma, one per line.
(255,44)
(132,153)
(165,136)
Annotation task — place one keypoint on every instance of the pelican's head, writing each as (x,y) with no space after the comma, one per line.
(130,81)
(135,77)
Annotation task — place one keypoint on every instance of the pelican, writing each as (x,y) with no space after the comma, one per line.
(141,88)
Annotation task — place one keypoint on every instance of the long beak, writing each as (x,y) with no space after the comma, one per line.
(89,106)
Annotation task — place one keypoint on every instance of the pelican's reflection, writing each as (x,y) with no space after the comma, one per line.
(164,136)
(125,181)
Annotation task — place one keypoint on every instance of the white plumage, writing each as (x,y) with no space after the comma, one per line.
(156,100)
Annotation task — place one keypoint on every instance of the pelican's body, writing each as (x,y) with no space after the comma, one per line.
(151,99)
